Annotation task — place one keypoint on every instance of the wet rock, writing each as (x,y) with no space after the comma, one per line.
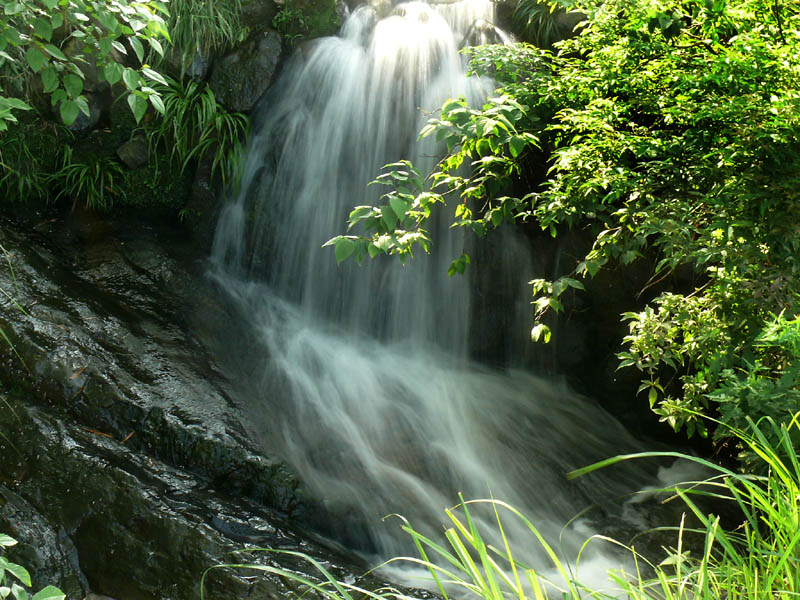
(129,453)
(240,78)
(134,153)
(198,68)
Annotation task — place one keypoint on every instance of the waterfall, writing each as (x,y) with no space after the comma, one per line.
(360,375)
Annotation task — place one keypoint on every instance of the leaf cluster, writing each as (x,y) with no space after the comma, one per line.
(34,35)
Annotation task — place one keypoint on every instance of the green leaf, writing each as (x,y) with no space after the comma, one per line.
(50,4)
(50,79)
(105,45)
(7,541)
(69,111)
(36,60)
(399,206)
(652,396)
(19,592)
(12,36)
(344,248)
(13,8)
(131,79)
(156,45)
(137,47)
(54,52)
(83,105)
(21,573)
(43,28)
(516,145)
(389,218)
(74,85)
(157,103)
(138,106)
(57,96)
(56,20)
(541,332)
(16,103)
(113,72)
(49,593)
(154,75)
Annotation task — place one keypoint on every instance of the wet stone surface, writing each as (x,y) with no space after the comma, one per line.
(127,470)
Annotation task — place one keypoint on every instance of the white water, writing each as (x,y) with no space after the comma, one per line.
(362,377)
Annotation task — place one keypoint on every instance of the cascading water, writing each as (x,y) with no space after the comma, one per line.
(364,382)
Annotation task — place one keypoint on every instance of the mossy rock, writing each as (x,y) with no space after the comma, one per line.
(307,19)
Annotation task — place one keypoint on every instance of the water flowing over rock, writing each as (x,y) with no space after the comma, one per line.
(384,412)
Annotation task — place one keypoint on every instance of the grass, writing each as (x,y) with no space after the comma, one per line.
(204,26)
(194,125)
(758,558)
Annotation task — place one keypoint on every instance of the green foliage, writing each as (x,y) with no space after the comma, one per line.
(26,157)
(538,20)
(91,182)
(301,19)
(488,140)
(756,559)
(394,227)
(12,575)
(35,33)
(204,26)
(194,125)
(671,133)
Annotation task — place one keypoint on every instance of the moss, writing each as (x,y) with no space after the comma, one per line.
(307,19)
(160,188)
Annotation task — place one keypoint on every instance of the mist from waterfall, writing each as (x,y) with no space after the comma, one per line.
(360,375)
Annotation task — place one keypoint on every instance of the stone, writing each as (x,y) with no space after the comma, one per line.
(134,153)
(240,78)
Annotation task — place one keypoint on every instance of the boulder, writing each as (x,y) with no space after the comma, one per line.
(240,78)
(134,153)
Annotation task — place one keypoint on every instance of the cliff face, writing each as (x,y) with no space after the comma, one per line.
(127,469)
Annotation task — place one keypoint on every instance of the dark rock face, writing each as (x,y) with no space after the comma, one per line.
(257,15)
(240,78)
(127,470)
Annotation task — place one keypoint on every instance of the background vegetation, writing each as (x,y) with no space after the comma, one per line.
(85,77)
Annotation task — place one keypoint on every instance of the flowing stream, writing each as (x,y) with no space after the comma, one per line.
(363,377)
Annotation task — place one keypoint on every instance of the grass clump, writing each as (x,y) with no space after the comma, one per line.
(195,125)
(756,558)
